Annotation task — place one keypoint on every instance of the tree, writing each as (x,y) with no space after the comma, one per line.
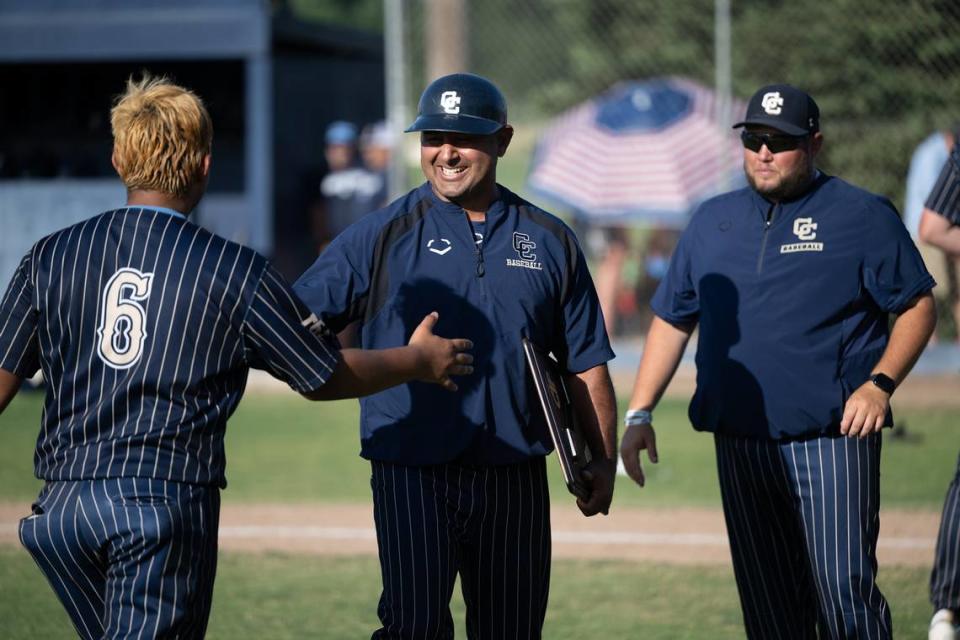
(358,14)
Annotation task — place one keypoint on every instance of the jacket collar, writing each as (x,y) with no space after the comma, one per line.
(497,207)
(763,205)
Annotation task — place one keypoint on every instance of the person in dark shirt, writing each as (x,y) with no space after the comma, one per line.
(940,227)
(459,481)
(791,281)
(145,327)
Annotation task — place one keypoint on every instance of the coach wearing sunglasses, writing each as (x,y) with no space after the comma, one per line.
(791,281)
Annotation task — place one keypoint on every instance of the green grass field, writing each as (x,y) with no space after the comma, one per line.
(280,596)
(284,449)
(281,448)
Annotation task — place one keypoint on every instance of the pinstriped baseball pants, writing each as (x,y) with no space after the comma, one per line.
(803,520)
(489,524)
(945,578)
(128,557)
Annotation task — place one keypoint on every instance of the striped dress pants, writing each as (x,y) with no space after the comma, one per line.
(803,520)
(489,524)
(945,578)
(128,557)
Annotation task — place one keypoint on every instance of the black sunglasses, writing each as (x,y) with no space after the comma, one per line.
(776,142)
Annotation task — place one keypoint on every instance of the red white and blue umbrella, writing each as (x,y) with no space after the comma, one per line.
(645,151)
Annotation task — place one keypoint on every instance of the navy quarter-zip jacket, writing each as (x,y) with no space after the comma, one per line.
(793,302)
(519,273)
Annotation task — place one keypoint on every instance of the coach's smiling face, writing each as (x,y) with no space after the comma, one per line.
(462,167)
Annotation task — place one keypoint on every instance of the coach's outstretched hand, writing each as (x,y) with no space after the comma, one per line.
(440,358)
(637,438)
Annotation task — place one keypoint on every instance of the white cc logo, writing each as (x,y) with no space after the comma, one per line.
(524,246)
(450,102)
(805,228)
(772,103)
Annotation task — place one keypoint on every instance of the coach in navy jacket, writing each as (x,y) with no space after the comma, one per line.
(459,481)
(791,282)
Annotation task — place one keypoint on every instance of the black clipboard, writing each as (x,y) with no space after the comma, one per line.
(568,441)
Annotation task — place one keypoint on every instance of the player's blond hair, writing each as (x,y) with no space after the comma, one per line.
(161,133)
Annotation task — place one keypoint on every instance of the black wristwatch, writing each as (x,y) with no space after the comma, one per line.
(884,382)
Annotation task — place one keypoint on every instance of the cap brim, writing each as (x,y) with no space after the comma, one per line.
(774,123)
(455,124)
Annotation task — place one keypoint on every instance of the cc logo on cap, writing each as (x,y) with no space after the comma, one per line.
(450,102)
(772,103)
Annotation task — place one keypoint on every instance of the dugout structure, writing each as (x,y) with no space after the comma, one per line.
(271,83)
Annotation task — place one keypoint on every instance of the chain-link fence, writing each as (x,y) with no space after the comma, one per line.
(884,73)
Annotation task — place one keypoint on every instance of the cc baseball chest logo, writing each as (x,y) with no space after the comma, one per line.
(524,247)
(804,229)
(450,102)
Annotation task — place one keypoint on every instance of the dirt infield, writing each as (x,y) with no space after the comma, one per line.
(674,536)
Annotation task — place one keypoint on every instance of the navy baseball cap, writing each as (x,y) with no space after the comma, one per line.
(785,108)
(463,103)
(341,132)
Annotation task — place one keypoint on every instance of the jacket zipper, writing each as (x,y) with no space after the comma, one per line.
(480,270)
(763,244)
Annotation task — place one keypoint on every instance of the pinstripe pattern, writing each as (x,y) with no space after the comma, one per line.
(944,198)
(945,579)
(803,520)
(490,524)
(145,327)
(214,310)
(128,557)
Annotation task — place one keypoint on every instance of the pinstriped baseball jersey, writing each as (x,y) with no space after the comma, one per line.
(944,198)
(945,577)
(145,326)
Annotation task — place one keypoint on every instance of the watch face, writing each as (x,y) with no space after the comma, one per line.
(884,382)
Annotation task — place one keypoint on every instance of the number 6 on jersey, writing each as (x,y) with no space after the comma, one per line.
(121,332)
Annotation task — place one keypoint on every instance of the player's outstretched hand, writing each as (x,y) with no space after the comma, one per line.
(440,358)
(636,439)
(865,411)
(599,476)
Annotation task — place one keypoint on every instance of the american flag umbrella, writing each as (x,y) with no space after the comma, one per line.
(643,151)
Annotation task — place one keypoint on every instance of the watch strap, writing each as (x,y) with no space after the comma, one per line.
(636,417)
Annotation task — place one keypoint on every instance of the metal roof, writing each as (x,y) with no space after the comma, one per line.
(88,30)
